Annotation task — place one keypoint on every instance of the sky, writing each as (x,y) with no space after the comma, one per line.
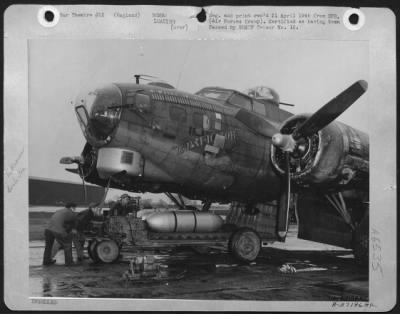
(307,73)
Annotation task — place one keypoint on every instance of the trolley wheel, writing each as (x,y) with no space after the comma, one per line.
(245,245)
(92,252)
(361,241)
(107,251)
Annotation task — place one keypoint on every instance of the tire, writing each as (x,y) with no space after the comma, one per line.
(361,242)
(92,252)
(107,251)
(245,245)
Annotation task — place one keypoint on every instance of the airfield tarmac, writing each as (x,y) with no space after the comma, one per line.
(323,273)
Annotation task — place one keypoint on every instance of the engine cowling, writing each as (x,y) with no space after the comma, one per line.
(337,155)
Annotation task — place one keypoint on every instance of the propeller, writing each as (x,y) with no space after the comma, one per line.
(291,143)
(321,118)
(284,200)
(331,110)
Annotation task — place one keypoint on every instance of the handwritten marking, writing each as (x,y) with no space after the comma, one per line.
(44,301)
(349,298)
(14,173)
(391,187)
(353,304)
(376,261)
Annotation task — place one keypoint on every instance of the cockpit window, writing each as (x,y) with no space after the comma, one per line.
(215,94)
(99,112)
(240,100)
(82,115)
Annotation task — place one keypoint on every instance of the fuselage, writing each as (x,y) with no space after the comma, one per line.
(156,139)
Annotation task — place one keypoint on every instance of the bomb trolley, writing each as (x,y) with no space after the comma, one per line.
(166,229)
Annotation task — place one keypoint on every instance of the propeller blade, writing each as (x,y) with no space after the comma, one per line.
(257,124)
(284,201)
(331,110)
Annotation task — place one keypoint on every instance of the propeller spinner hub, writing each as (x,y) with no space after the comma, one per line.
(284,141)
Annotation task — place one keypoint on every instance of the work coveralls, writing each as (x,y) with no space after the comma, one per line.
(78,239)
(56,230)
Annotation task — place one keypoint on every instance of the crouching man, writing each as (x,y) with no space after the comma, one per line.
(56,230)
(76,228)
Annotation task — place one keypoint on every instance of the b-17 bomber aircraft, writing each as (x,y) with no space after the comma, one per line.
(221,145)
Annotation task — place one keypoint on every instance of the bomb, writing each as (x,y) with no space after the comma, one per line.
(184,221)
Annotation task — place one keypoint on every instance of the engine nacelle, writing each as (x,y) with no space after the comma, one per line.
(338,155)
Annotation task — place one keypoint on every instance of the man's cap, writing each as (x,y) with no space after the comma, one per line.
(70,204)
(125,196)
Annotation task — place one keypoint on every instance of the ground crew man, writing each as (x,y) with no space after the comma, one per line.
(79,225)
(57,230)
(120,208)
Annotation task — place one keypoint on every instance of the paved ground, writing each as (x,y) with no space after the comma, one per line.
(324,273)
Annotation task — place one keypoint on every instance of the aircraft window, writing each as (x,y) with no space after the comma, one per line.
(178,114)
(198,120)
(241,101)
(206,122)
(218,121)
(143,102)
(219,95)
(259,107)
(82,115)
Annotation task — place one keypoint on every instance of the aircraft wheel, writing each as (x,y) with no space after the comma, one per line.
(107,251)
(92,252)
(245,245)
(361,241)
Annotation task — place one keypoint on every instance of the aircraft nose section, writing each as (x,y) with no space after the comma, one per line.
(99,112)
